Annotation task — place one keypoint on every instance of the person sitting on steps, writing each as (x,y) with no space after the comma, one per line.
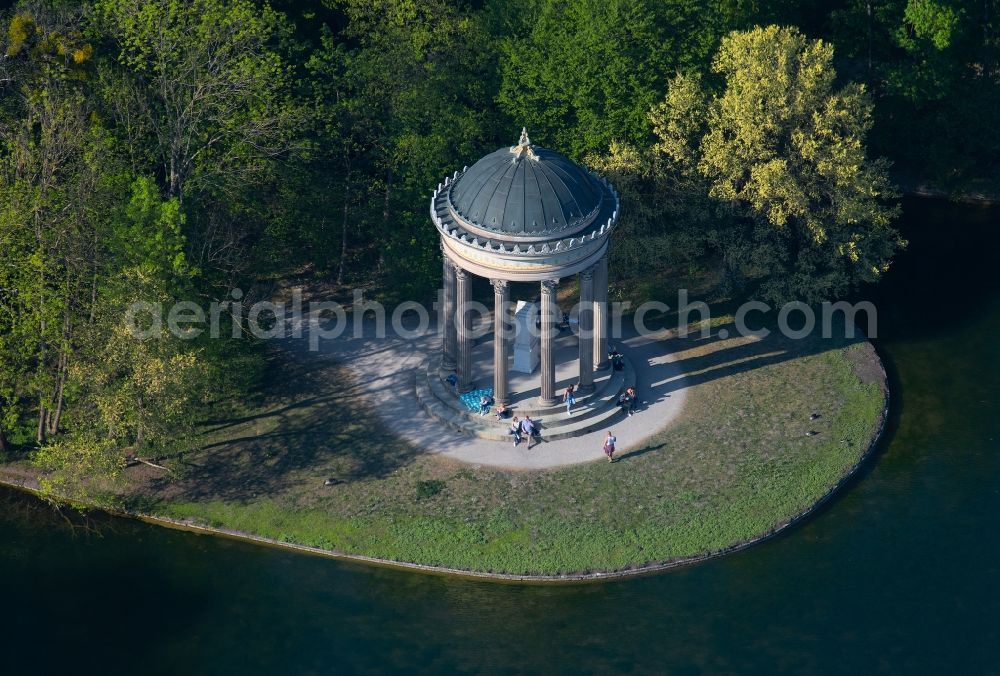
(625,402)
(529,430)
(616,358)
(485,402)
(515,430)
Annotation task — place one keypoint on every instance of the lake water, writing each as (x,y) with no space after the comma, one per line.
(899,574)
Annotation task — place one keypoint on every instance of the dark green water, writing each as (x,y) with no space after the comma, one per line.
(900,574)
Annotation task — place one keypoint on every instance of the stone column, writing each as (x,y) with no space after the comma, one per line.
(549,319)
(501,336)
(587,331)
(449,341)
(463,329)
(601,315)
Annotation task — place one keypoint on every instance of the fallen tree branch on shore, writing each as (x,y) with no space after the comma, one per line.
(135,458)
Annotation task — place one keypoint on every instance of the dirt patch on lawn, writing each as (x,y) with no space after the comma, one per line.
(867,365)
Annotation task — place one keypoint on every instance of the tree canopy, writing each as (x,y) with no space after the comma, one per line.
(777,154)
(166,150)
(786,147)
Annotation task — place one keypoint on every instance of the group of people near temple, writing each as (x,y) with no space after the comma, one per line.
(628,401)
(524,429)
(528,429)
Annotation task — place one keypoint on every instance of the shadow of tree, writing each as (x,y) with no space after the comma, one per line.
(315,424)
(724,353)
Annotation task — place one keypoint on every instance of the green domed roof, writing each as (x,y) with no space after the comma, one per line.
(526,191)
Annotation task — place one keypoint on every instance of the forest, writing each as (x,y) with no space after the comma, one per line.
(169,150)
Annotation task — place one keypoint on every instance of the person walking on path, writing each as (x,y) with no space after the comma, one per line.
(570,399)
(515,430)
(609,446)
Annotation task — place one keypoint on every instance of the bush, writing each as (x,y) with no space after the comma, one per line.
(429,488)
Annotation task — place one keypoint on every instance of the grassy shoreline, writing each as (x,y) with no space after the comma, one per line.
(735,466)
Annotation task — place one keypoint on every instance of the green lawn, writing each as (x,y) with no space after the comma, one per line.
(737,463)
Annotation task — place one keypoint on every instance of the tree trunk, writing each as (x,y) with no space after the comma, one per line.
(177,176)
(4,446)
(986,25)
(62,369)
(343,233)
(385,216)
(870,20)
(42,416)
(93,301)
(40,435)
(56,416)
(174,179)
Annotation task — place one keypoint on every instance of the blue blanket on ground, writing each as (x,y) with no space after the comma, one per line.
(471,399)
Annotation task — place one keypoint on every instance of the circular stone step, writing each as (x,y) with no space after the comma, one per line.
(592,411)
(609,383)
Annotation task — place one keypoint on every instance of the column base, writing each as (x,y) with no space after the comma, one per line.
(603,366)
(449,367)
(547,402)
(585,389)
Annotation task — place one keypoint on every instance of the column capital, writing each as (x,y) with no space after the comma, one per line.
(588,274)
(444,254)
(461,273)
(500,285)
(549,285)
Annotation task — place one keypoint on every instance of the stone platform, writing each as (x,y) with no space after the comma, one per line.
(592,411)
(386,371)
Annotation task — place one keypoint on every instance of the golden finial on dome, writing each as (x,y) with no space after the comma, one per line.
(523,147)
